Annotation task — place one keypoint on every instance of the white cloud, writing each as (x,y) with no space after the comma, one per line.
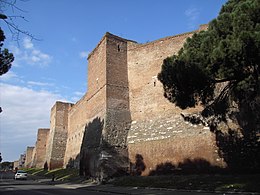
(30,55)
(8,76)
(39,83)
(27,43)
(193,15)
(77,95)
(24,111)
(83,54)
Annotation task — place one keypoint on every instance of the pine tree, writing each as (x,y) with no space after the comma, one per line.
(228,52)
(6,58)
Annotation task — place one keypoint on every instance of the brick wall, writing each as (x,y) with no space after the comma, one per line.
(33,163)
(16,164)
(40,148)
(123,87)
(117,113)
(124,116)
(158,133)
(56,146)
(173,141)
(29,157)
(91,107)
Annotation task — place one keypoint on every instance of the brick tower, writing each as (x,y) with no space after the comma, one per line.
(104,148)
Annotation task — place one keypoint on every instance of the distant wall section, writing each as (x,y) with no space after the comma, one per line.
(29,157)
(58,135)
(40,152)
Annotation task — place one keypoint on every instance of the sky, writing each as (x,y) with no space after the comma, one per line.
(53,66)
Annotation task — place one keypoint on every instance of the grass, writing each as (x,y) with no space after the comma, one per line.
(59,174)
(241,183)
(218,182)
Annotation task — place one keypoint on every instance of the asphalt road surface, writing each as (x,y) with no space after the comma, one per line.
(9,186)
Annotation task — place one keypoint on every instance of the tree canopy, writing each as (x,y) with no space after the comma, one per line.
(6,58)
(228,52)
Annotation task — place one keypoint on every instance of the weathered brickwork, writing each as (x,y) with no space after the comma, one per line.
(98,122)
(33,163)
(57,139)
(16,164)
(91,107)
(29,157)
(157,124)
(124,118)
(40,148)
(171,140)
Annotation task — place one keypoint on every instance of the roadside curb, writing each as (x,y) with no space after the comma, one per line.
(133,190)
(109,188)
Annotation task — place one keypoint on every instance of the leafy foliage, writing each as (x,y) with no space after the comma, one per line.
(6,58)
(219,69)
(228,52)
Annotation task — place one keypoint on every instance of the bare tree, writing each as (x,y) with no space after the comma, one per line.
(9,20)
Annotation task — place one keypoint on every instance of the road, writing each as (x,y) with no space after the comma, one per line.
(9,186)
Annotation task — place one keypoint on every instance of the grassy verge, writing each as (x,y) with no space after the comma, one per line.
(237,183)
(59,174)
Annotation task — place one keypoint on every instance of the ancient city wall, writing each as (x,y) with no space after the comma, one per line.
(114,146)
(124,120)
(40,148)
(109,107)
(117,90)
(89,109)
(102,115)
(158,133)
(144,64)
(16,164)
(29,157)
(33,163)
(56,147)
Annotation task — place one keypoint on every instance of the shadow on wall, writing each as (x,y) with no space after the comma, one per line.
(188,166)
(139,166)
(113,161)
(73,162)
(90,148)
(242,153)
(240,148)
(90,142)
(98,159)
(45,167)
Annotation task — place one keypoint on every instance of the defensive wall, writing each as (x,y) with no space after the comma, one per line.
(57,139)
(158,132)
(124,123)
(16,164)
(98,122)
(29,156)
(39,158)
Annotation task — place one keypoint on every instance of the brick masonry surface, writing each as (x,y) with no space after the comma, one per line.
(124,116)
